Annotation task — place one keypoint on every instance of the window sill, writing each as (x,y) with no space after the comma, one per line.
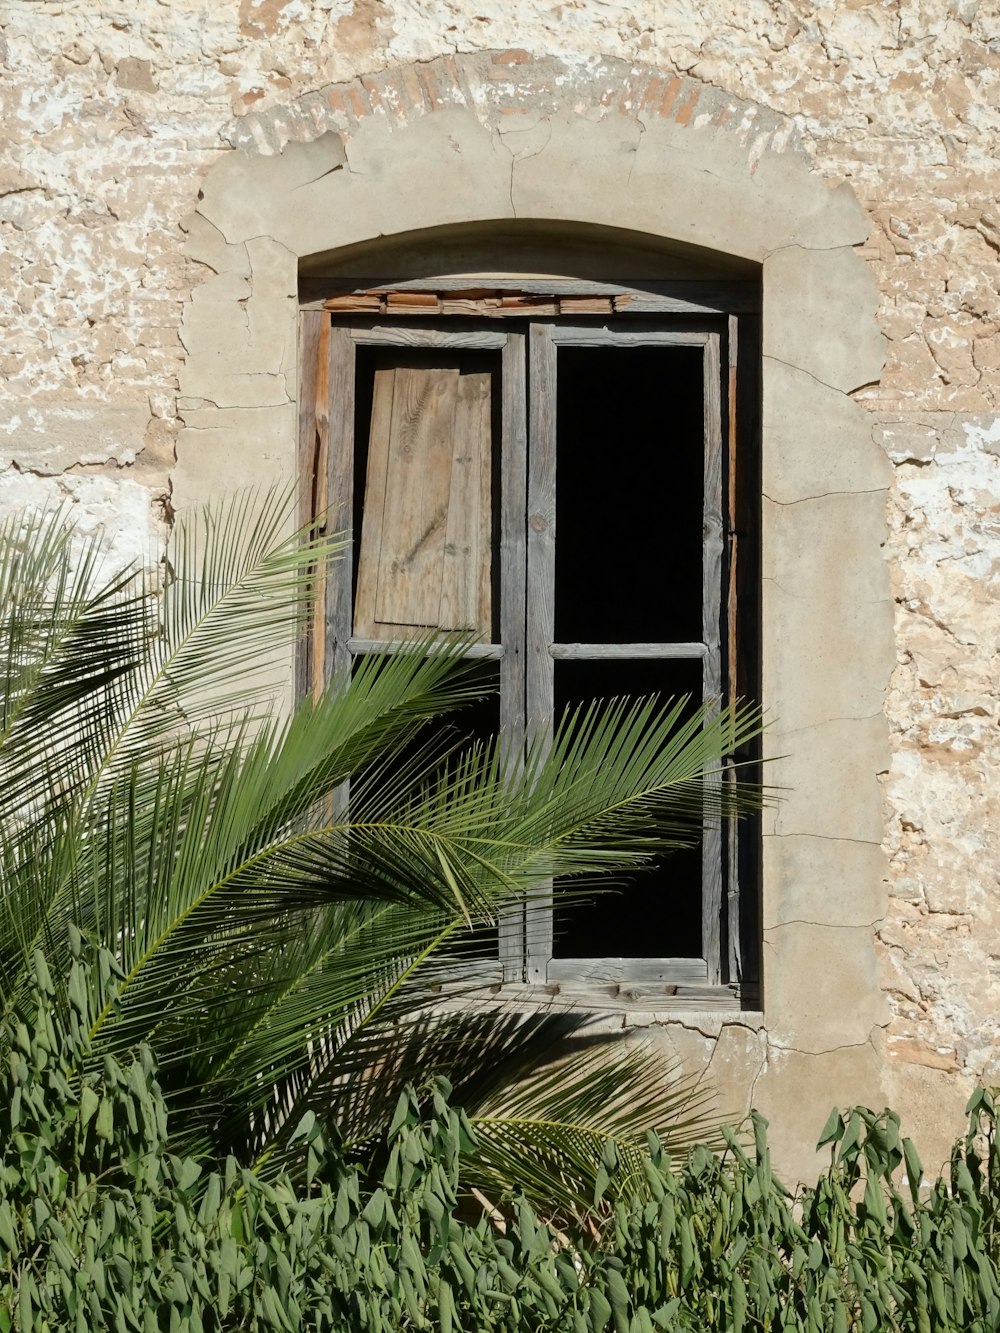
(623,998)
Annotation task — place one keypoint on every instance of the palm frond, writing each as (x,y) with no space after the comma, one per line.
(283,942)
(548,1129)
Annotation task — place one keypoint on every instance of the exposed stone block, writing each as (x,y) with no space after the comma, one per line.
(800,1089)
(816,440)
(50,437)
(828,776)
(832,295)
(824,881)
(821,986)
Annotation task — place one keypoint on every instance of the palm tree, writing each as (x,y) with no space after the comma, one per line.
(284,946)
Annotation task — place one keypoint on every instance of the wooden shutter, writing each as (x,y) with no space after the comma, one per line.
(426,532)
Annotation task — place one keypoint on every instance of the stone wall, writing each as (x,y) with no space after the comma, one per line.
(112,120)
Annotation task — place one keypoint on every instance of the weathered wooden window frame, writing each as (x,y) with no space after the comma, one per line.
(550,314)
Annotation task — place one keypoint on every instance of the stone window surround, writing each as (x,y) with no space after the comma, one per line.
(659,171)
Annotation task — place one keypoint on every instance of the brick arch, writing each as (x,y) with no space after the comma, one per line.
(491,139)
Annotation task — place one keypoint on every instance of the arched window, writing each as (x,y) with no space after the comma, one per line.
(569,469)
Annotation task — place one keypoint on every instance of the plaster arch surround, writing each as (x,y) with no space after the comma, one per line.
(496,139)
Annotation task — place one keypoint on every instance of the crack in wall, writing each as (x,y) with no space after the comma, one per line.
(826,925)
(827,495)
(790,365)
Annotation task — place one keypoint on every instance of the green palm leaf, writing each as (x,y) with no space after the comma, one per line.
(283,948)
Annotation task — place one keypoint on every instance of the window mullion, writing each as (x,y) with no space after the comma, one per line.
(712,556)
(314,332)
(514,506)
(733,684)
(334,502)
(340,490)
(540,601)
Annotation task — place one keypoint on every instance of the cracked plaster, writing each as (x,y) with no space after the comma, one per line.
(898,108)
(580,164)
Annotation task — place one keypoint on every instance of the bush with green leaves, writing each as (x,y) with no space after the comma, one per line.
(102,1227)
(283,949)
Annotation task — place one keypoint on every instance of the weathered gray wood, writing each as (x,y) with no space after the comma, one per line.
(311,325)
(479,982)
(647,296)
(466,582)
(735,958)
(540,596)
(426,534)
(375,483)
(309,657)
(712,554)
(585,652)
(526,615)
(513,501)
(631,997)
(419,449)
(680,971)
(358,647)
(702,300)
(381,335)
(602,336)
(340,473)
(467,978)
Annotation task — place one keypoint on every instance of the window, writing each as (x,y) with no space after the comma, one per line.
(557,471)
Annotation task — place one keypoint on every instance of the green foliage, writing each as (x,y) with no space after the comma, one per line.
(102,1227)
(283,951)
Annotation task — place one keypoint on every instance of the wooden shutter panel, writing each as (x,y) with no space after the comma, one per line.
(426,533)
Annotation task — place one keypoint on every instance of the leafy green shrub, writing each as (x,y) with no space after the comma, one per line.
(281,950)
(103,1228)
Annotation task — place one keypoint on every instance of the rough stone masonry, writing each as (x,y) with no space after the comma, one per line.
(112,121)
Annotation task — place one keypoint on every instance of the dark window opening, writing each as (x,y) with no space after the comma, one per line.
(558,484)
(629,486)
(655,913)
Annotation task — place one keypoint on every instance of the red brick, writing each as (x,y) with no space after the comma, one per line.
(670,95)
(686,109)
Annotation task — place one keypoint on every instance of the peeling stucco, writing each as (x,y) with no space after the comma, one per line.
(112,269)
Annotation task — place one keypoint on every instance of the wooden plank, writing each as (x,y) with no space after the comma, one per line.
(602,336)
(321,497)
(712,555)
(400,302)
(466,591)
(541,533)
(467,306)
(730,515)
(426,539)
(540,598)
(604,971)
(513,507)
(340,474)
(586,652)
(381,335)
(635,295)
(586,305)
(376,482)
(706,303)
(527,303)
(630,996)
(358,647)
(748,644)
(478,982)
(466,980)
(311,326)
(356,303)
(734,948)
(418,484)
